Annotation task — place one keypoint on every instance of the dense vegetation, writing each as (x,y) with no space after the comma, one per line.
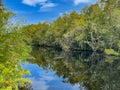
(13,50)
(95,28)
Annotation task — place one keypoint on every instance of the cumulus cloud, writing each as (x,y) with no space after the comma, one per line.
(33,2)
(47,5)
(44,4)
(77,2)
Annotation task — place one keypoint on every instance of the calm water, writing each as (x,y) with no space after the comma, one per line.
(57,70)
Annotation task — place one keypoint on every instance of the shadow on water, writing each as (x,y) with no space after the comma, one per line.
(91,70)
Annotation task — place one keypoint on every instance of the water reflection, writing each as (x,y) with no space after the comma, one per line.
(47,79)
(88,71)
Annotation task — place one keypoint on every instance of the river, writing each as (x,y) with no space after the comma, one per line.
(57,70)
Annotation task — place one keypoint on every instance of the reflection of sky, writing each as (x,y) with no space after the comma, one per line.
(46,79)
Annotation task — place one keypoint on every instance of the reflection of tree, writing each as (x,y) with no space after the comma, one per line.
(96,72)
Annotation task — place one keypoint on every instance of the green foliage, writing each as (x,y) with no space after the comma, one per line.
(13,51)
(97,27)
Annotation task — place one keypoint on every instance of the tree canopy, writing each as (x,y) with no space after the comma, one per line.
(95,28)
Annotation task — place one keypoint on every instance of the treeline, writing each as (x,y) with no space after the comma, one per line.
(95,28)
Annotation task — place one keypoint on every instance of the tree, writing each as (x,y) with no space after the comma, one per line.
(95,28)
(13,50)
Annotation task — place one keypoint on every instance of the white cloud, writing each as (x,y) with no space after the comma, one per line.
(48,5)
(33,2)
(44,4)
(77,2)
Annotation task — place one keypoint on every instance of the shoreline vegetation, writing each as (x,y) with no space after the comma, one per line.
(13,51)
(96,28)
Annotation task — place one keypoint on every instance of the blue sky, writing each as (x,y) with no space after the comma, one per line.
(35,11)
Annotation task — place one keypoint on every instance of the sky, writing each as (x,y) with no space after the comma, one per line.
(35,11)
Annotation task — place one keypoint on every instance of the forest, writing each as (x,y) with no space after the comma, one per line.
(95,28)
